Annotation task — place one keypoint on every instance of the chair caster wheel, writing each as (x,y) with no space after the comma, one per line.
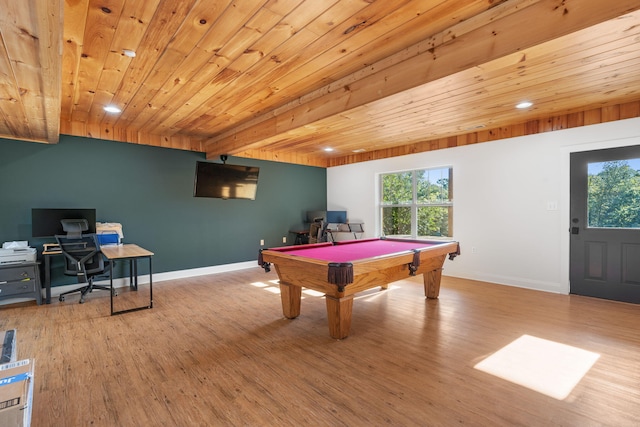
(60,298)
(81,301)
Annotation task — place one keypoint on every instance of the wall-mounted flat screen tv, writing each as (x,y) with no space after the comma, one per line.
(46,222)
(224,181)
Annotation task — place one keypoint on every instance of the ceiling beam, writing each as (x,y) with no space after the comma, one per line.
(445,54)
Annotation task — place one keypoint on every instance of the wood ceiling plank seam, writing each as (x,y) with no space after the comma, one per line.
(206,103)
(629,110)
(240,41)
(523,54)
(132,25)
(558,61)
(73,33)
(102,21)
(295,43)
(14,125)
(501,92)
(297,22)
(249,85)
(379,65)
(436,91)
(571,91)
(379,45)
(176,61)
(415,132)
(200,57)
(471,48)
(539,125)
(560,53)
(282,7)
(326,42)
(226,27)
(19,34)
(285,157)
(49,17)
(166,20)
(159,31)
(625,74)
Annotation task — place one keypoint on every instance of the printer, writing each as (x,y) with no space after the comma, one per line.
(17,252)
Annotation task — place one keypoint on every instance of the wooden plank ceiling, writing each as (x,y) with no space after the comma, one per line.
(285,79)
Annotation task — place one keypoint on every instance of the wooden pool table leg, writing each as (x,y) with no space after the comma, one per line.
(432,283)
(339,314)
(290,296)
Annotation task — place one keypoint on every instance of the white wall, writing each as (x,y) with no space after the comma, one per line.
(504,193)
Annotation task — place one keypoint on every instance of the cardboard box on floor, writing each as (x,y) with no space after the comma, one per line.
(16,393)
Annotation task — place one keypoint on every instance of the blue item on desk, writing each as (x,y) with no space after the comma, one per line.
(108,238)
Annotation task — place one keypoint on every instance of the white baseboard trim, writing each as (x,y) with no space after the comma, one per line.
(143,279)
(167,275)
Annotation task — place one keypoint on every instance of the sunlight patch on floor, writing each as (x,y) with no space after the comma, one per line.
(374,293)
(545,366)
(259,284)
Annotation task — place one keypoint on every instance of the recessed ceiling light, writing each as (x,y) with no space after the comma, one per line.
(328,149)
(112,109)
(359,150)
(130,53)
(524,104)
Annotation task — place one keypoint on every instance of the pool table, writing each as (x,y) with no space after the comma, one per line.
(341,269)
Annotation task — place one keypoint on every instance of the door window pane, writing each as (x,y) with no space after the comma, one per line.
(613,199)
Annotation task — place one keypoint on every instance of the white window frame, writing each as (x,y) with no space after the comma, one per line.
(415,205)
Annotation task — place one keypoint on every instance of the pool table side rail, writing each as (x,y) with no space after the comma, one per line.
(368,272)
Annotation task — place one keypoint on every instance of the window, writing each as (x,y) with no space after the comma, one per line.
(417,204)
(614,194)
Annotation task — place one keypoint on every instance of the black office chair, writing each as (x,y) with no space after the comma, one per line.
(82,256)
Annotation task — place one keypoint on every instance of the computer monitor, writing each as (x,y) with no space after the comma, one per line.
(46,222)
(313,215)
(336,217)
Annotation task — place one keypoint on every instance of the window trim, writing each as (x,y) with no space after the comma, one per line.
(415,205)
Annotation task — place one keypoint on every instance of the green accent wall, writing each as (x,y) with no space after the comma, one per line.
(149,190)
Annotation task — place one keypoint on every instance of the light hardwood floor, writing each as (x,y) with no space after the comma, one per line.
(216,351)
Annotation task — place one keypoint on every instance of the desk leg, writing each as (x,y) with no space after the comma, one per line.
(150,284)
(111,283)
(133,274)
(339,313)
(290,296)
(432,283)
(47,278)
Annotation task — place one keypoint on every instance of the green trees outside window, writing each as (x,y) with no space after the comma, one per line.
(417,204)
(614,194)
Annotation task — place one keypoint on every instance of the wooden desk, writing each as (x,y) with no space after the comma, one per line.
(302,236)
(132,253)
